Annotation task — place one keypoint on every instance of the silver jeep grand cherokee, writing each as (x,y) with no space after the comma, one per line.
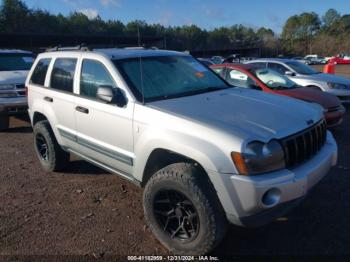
(205,152)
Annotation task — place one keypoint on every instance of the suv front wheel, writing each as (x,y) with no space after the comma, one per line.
(51,156)
(182,210)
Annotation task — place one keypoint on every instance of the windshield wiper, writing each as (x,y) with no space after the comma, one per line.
(189,93)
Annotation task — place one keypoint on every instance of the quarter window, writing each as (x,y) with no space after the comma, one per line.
(93,75)
(62,77)
(40,71)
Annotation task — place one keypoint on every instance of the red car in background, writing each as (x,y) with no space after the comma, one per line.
(340,60)
(267,80)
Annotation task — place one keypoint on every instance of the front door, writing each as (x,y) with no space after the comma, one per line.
(104,131)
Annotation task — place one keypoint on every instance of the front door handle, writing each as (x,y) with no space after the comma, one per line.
(48,99)
(82,109)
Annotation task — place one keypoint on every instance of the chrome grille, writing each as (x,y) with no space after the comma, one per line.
(20,89)
(304,145)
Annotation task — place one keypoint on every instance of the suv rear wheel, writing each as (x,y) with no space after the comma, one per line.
(51,156)
(183,211)
(4,123)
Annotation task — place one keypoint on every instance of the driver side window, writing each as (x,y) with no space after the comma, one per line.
(93,75)
(240,79)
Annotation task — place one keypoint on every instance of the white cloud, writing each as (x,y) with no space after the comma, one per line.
(107,3)
(89,12)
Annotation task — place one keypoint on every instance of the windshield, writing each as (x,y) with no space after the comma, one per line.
(301,68)
(273,79)
(14,62)
(163,77)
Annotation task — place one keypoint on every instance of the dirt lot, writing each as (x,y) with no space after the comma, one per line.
(87,212)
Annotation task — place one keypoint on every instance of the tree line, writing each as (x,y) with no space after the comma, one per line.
(302,34)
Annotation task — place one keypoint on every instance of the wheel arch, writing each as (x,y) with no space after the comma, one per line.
(37,116)
(160,158)
(315,86)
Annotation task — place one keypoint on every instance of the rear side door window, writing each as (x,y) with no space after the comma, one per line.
(278,68)
(62,76)
(39,74)
(93,75)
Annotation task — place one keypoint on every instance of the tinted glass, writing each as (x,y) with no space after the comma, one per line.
(13,62)
(62,75)
(240,79)
(278,68)
(301,68)
(163,77)
(40,71)
(93,75)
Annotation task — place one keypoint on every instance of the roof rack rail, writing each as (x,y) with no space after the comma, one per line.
(134,47)
(81,47)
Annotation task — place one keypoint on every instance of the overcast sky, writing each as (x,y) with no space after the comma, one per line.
(204,13)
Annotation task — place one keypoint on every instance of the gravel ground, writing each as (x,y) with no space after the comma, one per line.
(88,212)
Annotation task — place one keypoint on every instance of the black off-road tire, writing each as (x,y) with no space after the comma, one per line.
(4,123)
(189,180)
(57,159)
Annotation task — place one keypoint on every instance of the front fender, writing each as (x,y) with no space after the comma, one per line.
(207,154)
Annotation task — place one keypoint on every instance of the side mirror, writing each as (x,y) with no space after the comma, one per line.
(111,95)
(289,73)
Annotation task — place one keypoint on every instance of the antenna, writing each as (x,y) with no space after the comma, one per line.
(138,34)
(140,63)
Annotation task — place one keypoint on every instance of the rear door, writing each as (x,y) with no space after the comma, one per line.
(104,131)
(59,99)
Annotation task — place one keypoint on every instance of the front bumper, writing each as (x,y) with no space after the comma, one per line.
(13,105)
(246,201)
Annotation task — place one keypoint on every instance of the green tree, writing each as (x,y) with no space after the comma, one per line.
(14,16)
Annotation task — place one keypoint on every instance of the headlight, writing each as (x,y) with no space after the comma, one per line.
(259,157)
(337,86)
(7,86)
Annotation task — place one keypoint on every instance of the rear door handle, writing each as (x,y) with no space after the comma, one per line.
(82,109)
(48,99)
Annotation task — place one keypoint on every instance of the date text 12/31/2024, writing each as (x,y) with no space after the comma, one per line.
(173,258)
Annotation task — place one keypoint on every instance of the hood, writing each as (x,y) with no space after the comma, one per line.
(326,78)
(13,77)
(248,113)
(311,95)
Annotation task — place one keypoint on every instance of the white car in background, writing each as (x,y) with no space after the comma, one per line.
(14,67)
(315,60)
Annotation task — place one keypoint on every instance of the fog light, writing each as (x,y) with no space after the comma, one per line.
(271,197)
